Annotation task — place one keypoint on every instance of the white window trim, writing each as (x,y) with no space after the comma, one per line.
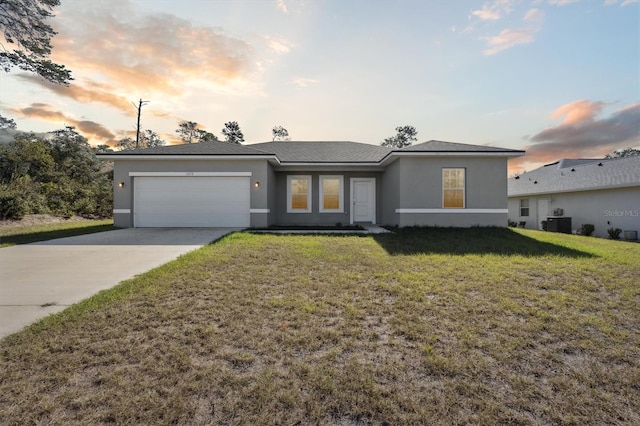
(340,208)
(464,187)
(527,207)
(290,209)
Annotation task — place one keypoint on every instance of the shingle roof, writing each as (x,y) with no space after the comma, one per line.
(324,152)
(441,146)
(202,148)
(309,151)
(569,175)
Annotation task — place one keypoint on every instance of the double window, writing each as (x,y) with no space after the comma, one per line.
(453,186)
(299,194)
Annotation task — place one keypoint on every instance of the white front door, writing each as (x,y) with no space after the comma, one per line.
(363,200)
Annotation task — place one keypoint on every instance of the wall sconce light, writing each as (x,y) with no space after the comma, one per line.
(121,185)
(256,185)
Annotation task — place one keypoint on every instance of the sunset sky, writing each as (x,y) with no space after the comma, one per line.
(558,78)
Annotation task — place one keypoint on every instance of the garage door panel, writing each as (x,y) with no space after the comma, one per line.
(191,201)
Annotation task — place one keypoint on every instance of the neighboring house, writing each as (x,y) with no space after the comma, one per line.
(217,184)
(604,193)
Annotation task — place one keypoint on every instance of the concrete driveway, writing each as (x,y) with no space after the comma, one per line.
(42,278)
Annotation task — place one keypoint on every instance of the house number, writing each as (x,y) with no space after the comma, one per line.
(190,174)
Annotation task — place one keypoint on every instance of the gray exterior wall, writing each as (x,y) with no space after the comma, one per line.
(315,217)
(407,183)
(605,208)
(391,194)
(418,182)
(123,197)
(272,196)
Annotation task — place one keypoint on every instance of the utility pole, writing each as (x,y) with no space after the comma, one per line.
(140,103)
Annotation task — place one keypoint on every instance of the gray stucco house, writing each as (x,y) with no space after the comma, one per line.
(601,192)
(217,184)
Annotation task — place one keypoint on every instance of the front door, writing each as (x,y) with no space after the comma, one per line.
(363,200)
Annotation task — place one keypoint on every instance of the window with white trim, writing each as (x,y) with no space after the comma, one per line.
(453,187)
(331,194)
(524,207)
(299,194)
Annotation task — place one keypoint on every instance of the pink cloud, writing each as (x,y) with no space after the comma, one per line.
(86,92)
(157,52)
(562,2)
(578,111)
(95,132)
(582,133)
(493,11)
(509,38)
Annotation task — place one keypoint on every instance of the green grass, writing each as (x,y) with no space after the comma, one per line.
(10,236)
(435,326)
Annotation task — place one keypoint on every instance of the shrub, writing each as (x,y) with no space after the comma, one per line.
(21,197)
(512,224)
(12,205)
(587,229)
(614,233)
(58,174)
(544,225)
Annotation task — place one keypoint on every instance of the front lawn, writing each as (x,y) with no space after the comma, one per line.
(435,326)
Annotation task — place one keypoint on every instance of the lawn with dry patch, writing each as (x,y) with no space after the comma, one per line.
(431,326)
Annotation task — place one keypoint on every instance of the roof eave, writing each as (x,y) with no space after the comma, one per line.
(188,157)
(564,191)
(394,154)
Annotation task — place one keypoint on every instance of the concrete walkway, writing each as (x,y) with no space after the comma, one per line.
(42,278)
(368,229)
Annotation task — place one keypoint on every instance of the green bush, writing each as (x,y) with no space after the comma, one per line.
(20,197)
(59,174)
(587,229)
(12,205)
(544,225)
(614,233)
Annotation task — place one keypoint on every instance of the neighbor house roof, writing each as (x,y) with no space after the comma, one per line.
(311,152)
(571,175)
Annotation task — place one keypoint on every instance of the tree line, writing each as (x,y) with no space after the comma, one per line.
(189,132)
(55,173)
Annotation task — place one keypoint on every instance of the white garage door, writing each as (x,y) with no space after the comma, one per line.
(191,202)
